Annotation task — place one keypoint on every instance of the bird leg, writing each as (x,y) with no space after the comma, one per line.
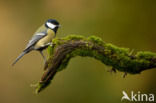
(45,60)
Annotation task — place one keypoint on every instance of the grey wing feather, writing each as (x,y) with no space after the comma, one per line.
(34,39)
(39,34)
(31,43)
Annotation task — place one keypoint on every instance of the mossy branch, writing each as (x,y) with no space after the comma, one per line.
(121,59)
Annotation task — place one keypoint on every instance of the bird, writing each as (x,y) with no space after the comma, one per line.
(41,39)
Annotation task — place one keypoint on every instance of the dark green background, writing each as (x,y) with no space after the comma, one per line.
(125,23)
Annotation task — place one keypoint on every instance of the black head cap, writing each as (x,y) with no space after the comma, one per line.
(52,24)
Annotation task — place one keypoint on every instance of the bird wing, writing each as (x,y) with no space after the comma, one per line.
(42,28)
(40,33)
(34,39)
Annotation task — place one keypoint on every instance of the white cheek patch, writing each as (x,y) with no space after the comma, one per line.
(50,25)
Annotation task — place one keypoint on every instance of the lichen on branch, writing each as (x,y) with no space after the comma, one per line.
(122,59)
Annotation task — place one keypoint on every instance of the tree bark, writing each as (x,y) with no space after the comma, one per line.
(121,59)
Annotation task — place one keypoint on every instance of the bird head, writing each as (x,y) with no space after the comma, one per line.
(52,24)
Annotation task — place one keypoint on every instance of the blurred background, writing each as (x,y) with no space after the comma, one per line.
(125,23)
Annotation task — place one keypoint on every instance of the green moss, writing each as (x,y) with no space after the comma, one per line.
(50,50)
(119,58)
(56,41)
(65,62)
(96,40)
(112,55)
(41,86)
(116,49)
(73,37)
(146,55)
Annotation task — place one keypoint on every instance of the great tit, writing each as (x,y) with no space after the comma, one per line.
(41,39)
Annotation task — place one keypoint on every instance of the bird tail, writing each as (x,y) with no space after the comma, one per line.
(19,57)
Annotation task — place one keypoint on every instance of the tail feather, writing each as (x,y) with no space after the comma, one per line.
(19,57)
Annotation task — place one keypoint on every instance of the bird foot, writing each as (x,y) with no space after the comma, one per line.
(51,44)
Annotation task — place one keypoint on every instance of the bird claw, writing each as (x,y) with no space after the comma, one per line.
(51,44)
(124,75)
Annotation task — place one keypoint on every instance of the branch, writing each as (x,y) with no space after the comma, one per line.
(121,59)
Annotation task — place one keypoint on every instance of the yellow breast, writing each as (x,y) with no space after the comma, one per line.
(45,40)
